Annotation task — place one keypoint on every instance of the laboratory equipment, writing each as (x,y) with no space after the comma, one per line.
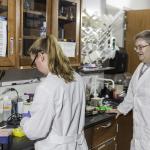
(27,104)
(98,41)
(7,107)
(102,79)
(12,118)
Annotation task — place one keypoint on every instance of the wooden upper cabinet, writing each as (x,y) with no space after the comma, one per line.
(33,15)
(7,33)
(24,20)
(136,21)
(66,24)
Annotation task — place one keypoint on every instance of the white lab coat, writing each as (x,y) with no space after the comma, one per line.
(57,115)
(138,99)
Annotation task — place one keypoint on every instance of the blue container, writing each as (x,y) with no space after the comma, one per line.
(5,139)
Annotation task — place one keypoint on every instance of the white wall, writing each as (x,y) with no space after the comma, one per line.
(130,4)
(101,7)
(95,6)
(114,5)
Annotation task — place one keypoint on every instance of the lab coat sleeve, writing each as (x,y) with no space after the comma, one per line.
(128,101)
(42,115)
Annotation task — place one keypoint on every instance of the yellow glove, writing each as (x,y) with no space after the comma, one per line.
(18,132)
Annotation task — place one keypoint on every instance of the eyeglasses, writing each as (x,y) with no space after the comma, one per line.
(32,64)
(140,47)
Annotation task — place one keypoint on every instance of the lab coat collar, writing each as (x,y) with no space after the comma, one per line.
(139,81)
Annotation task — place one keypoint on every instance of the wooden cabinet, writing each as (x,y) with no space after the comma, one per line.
(107,145)
(32,16)
(111,135)
(136,21)
(125,131)
(66,16)
(102,136)
(7,14)
(25,19)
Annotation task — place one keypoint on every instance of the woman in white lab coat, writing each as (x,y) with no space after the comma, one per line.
(58,108)
(138,95)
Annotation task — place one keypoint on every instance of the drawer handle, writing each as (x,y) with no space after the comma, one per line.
(11,45)
(99,148)
(107,125)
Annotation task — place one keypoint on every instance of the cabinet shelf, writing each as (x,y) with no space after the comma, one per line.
(35,12)
(30,37)
(67,2)
(95,70)
(31,32)
(64,19)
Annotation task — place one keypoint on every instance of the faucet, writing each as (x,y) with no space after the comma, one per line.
(109,80)
(102,79)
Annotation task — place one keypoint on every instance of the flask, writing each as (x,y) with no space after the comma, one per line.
(7,106)
(43,30)
(105,92)
(27,104)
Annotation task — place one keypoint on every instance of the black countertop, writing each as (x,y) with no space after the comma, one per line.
(25,144)
(100,118)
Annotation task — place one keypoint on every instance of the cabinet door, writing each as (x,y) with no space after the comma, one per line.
(66,27)
(88,136)
(103,132)
(125,131)
(7,33)
(109,145)
(33,14)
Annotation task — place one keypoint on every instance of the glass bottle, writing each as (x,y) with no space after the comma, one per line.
(43,30)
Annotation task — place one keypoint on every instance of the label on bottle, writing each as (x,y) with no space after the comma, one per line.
(1,107)
(7,106)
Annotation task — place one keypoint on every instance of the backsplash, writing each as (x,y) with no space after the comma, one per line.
(15,90)
(22,86)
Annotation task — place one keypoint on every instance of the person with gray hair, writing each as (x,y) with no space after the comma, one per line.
(138,95)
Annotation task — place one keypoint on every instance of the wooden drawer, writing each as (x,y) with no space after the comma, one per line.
(103,132)
(88,136)
(108,145)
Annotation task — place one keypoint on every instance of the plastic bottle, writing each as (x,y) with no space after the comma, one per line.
(27,103)
(1,109)
(20,105)
(43,30)
(7,106)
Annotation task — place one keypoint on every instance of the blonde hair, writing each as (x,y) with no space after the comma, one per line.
(58,63)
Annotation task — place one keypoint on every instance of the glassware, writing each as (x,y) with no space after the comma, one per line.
(26,5)
(71,16)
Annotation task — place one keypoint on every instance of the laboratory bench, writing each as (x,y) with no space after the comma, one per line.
(101,131)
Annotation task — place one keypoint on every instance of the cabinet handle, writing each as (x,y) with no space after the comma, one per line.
(107,125)
(97,128)
(20,46)
(11,45)
(102,146)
